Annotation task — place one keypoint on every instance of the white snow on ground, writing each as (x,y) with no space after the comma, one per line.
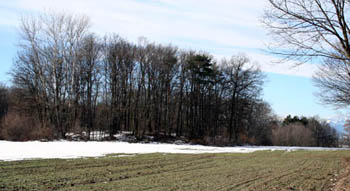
(11,151)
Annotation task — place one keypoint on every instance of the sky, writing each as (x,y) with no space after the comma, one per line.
(222,28)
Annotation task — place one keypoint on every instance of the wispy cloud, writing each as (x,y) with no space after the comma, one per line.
(221,27)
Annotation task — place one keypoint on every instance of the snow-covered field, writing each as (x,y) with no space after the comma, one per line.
(11,151)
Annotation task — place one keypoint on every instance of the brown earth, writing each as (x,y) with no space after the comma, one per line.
(343,182)
(265,171)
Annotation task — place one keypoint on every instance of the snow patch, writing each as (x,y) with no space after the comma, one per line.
(12,151)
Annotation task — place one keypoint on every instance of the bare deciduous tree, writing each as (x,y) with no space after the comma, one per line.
(47,65)
(333,81)
(244,83)
(305,29)
(4,104)
(315,29)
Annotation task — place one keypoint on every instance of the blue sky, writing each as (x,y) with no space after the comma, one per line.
(221,27)
(8,39)
(295,95)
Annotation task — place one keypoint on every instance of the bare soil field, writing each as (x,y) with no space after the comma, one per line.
(263,170)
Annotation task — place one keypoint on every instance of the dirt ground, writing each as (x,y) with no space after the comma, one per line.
(343,181)
(277,170)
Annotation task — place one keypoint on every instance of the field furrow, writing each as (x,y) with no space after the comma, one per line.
(266,170)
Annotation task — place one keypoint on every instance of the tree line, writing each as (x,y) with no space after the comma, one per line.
(67,79)
(71,79)
(303,131)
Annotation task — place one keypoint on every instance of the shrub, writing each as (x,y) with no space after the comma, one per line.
(16,127)
(292,135)
(41,133)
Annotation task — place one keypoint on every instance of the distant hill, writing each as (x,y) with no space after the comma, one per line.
(337,124)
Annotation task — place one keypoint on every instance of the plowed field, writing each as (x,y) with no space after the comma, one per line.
(266,170)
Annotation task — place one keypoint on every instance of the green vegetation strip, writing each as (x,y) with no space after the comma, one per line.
(278,170)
